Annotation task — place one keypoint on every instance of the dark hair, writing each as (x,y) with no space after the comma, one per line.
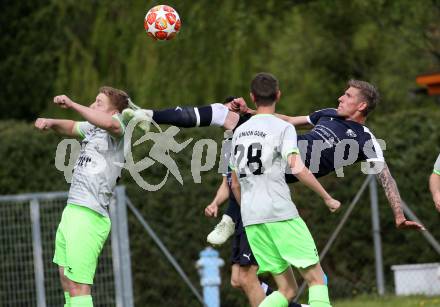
(368,92)
(118,98)
(265,88)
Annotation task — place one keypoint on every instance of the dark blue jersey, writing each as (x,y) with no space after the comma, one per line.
(335,142)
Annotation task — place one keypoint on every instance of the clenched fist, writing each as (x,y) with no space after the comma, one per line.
(332,204)
(63,101)
(43,123)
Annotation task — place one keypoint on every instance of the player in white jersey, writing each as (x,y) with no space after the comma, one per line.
(434,184)
(261,149)
(85,224)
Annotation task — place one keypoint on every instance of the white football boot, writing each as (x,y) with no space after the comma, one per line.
(222,231)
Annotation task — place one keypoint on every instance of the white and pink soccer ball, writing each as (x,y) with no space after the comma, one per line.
(162,22)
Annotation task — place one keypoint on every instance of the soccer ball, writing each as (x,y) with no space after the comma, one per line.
(162,22)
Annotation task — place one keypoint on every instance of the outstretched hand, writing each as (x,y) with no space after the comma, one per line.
(406,224)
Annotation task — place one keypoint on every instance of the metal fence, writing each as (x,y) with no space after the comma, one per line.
(413,281)
(27,235)
(28,224)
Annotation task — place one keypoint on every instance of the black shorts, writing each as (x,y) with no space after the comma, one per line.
(241,251)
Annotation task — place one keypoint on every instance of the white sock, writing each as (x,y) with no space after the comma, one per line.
(219,113)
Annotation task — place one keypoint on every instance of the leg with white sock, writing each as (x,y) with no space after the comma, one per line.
(216,114)
(251,285)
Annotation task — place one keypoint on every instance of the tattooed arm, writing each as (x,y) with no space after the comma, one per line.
(392,192)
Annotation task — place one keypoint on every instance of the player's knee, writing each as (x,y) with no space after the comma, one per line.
(76,289)
(248,279)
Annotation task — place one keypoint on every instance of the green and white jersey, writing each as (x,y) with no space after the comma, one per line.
(98,167)
(437,166)
(260,148)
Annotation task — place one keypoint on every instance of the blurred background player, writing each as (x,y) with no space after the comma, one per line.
(319,146)
(85,223)
(244,267)
(434,184)
(261,150)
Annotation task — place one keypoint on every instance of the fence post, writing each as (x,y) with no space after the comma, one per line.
(209,270)
(380,283)
(124,246)
(38,253)
(116,257)
(121,249)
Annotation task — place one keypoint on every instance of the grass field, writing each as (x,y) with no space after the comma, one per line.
(390,301)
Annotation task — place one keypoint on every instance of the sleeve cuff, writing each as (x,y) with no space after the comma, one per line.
(289,152)
(79,131)
(309,120)
(436,171)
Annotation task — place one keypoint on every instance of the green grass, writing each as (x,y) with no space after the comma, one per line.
(389,301)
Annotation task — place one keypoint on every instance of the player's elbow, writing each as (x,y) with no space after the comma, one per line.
(297,167)
(113,127)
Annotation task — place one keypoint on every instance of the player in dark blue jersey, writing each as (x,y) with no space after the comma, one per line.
(340,138)
(335,142)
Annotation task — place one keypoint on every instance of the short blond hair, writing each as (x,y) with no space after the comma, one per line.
(118,98)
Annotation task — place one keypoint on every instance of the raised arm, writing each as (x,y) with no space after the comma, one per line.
(306,177)
(62,126)
(392,192)
(98,118)
(239,105)
(297,121)
(220,197)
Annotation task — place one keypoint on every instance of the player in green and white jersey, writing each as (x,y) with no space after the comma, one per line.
(85,224)
(434,184)
(261,149)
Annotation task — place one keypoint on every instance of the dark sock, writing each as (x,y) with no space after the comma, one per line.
(185,117)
